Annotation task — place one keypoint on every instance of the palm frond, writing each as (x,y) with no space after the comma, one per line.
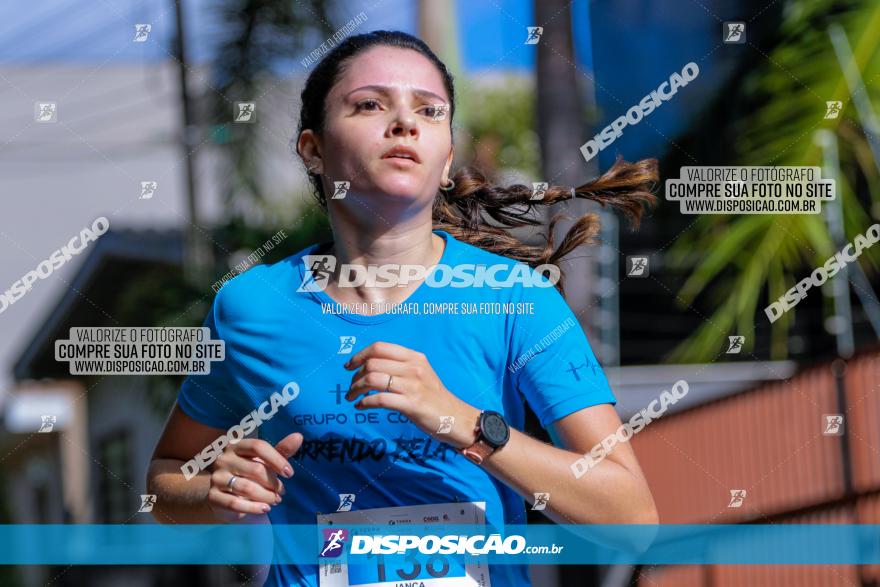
(750,255)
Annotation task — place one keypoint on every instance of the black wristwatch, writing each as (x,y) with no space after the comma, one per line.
(492,433)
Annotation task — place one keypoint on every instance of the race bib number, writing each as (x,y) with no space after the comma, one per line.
(412,569)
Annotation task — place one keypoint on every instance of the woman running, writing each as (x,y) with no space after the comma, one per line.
(406,403)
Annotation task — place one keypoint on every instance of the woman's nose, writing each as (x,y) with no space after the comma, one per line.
(405,125)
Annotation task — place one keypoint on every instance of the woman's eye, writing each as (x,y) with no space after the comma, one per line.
(366,104)
(433,111)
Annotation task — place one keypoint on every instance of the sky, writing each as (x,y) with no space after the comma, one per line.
(73,31)
(623,44)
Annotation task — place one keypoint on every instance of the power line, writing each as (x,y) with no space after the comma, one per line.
(31,32)
(122,90)
(75,154)
(21,147)
(38,19)
(56,49)
(79,40)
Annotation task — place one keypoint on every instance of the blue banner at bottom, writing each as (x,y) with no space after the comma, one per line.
(151,544)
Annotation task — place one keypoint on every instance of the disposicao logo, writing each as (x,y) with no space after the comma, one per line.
(319,268)
(334,542)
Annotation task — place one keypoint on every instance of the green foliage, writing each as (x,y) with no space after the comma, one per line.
(265,35)
(506,113)
(747,261)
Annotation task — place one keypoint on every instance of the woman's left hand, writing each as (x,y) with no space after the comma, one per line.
(415,391)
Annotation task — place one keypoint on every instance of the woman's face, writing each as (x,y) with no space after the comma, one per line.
(388,97)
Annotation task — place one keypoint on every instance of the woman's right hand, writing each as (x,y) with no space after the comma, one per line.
(256,464)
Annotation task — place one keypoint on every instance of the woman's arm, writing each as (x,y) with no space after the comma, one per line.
(179,501)
(206,499)
(613,492)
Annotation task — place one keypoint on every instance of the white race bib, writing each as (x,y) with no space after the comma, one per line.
(413,569)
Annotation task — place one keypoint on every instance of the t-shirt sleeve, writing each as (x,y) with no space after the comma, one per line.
(551,362)
(213,399)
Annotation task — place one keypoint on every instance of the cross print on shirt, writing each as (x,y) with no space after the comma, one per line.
(338,391)
(574,369)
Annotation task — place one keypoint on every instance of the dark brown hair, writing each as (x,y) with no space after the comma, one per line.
(462,210)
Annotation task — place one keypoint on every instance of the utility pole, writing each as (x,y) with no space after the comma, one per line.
(562,93)
(197,257)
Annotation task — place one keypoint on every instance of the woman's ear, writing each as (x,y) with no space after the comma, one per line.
(448,165)
(309,148)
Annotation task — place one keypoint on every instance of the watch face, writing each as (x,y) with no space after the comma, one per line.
(495,429)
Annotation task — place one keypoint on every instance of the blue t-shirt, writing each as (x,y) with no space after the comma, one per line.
(491,359)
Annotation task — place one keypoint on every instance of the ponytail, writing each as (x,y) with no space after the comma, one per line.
(462,210)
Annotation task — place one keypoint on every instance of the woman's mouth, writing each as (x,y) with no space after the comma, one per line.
(402,155)
(400,161)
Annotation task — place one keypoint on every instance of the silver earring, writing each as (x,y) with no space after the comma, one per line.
(445,188)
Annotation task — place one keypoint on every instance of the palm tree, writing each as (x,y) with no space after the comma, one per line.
(749,254)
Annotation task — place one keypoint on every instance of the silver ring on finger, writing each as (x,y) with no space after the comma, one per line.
(390,379)
(231,482)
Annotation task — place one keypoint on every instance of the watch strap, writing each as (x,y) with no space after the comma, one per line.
(480,449)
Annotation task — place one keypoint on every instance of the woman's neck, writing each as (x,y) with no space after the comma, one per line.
(379,244)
